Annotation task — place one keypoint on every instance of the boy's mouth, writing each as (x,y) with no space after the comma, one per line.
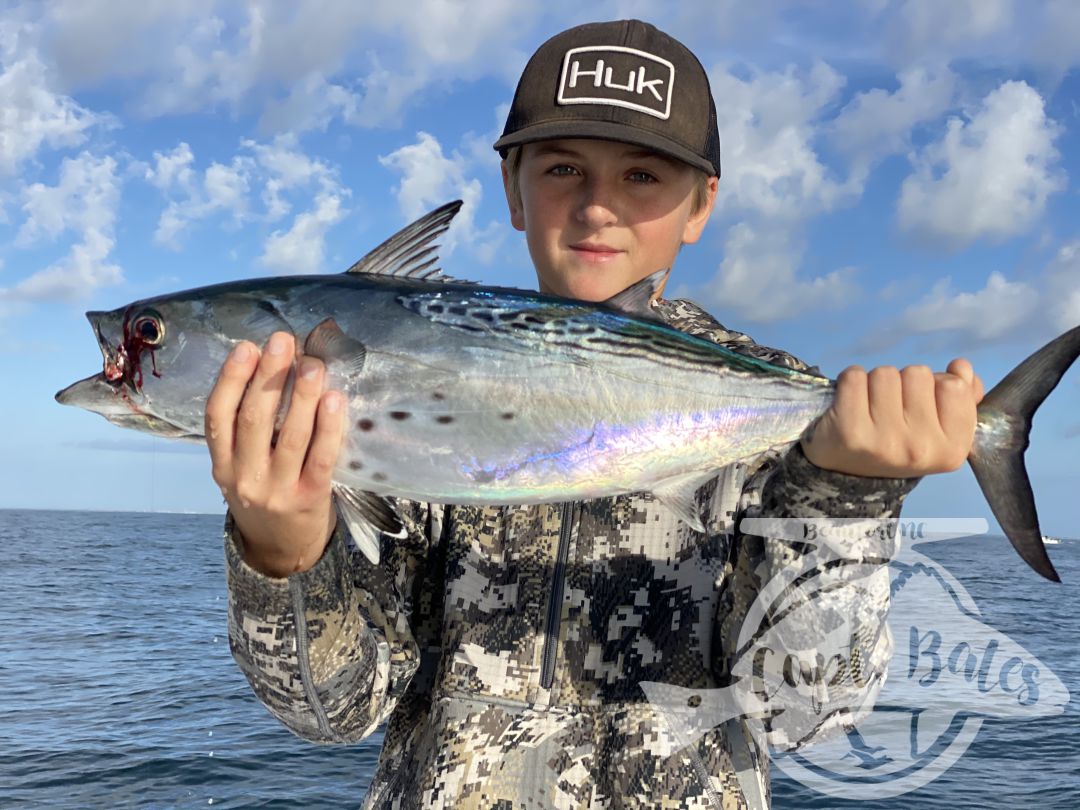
(594,253)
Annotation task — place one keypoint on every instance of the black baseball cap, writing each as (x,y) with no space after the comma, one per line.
(623,81)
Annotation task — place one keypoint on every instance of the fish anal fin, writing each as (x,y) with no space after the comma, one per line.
(331,345)
(677,494)
(367,517)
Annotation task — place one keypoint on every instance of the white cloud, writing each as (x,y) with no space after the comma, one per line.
(301,248)
(32,112)
(83,202)
(301,64)
(988,177)
(279,171)
(928,22)
(227,187)
(1045,34)
(172,169)
(288,168)
(758,277)
(1062,288)
(220,189)
(1059,44)
(1000,308)
(877,123)
(768,124)
(429,178)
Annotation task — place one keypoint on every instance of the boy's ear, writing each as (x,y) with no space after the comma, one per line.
(697,221)
(517,213)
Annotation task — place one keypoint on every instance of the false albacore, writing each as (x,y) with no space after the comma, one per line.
(462,393)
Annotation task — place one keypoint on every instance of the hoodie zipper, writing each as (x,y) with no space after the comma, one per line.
(554,617)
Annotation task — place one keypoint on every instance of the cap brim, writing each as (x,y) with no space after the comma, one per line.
(608,131)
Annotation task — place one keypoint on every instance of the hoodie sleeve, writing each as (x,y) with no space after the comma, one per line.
(822,595)
(329,651)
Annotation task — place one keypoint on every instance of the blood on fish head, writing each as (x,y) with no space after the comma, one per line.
(158,366)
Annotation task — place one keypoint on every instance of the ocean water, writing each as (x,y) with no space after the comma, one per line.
(117,688)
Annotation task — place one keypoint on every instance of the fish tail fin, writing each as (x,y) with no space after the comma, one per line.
(1001,437)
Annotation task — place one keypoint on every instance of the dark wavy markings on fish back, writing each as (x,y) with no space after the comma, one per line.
(586,327)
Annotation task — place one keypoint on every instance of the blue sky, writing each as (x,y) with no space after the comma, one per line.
(898,187)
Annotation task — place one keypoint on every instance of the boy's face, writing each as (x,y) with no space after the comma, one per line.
(599,216)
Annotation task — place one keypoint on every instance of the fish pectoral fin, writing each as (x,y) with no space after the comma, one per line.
(367,516)
(327,342)
(636,299)
(677,494)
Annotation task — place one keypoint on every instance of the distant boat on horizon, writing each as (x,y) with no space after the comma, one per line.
(1051,541)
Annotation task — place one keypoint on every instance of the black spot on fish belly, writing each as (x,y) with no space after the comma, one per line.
(438,396)
(378,477)
(444,420)
(400,416)
(355,465)
(365,425)
(507,416)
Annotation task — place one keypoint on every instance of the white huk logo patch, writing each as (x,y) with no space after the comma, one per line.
(618,77)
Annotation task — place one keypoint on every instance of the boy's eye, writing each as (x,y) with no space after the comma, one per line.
(562,170)
(642,177)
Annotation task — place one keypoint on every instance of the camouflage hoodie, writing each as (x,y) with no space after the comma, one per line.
(503,646)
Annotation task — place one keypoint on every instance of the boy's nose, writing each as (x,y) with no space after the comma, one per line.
(596,207)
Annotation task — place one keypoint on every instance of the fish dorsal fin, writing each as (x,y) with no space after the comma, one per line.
(409,253)
(636,299)
(327,342)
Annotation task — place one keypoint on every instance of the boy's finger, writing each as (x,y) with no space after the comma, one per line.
(961,368)
(851,401)
(258,409)
(295,435)
(849,416)
(920,404)
(223,402)
(885,396)
(956,408)
(326,443)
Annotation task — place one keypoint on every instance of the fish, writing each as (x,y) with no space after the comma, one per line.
(465,393)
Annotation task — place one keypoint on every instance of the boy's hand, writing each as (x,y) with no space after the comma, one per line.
(279,493)
(897,424)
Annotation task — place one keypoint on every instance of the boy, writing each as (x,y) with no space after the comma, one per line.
(505,645)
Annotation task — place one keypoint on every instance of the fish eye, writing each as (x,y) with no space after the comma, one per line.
(149,328)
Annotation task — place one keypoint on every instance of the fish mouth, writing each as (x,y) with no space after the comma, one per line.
(110,400)
(116,366)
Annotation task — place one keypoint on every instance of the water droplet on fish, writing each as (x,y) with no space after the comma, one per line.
(244,502)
